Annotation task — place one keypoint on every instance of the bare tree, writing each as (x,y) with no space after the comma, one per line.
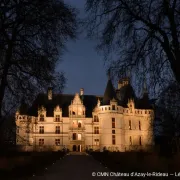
(32,37)
(143,34)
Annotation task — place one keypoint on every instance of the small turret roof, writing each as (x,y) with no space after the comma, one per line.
(109,93)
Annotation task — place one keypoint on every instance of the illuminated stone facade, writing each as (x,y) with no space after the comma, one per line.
(117,121)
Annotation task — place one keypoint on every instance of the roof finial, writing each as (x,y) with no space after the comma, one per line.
(145,87)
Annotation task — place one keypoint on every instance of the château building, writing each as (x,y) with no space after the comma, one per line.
(116,121)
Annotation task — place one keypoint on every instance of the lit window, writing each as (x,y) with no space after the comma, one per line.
(57,119)
(96,142)
(129,124)
(113,139)
(57,142)
(79,136)
(41,117)
(57,129)
(41,142)
(130,140)
(41,129)
(113,122)
(96,130)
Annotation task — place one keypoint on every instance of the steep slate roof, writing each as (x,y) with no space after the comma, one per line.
(63,100)
(126,92)
(109,93)
(23,109)
(144,102)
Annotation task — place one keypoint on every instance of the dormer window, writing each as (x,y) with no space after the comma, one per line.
(113,107)
(96,119)
(57,119)
(41,117)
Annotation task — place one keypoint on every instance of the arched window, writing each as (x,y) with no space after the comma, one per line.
(79,124)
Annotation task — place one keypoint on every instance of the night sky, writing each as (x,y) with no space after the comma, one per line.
(83,67)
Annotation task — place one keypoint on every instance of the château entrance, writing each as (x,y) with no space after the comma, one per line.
(76,148)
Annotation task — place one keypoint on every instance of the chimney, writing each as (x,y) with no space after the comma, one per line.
(50,93)
(81,91)
(120,84)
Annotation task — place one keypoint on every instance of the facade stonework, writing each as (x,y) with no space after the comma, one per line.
(87,122)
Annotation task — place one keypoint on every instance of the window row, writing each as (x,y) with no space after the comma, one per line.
(41,142)
(109,108)
(41,130)
(79,124)
(131,142)
(42,118)
(130,125)
(74,113)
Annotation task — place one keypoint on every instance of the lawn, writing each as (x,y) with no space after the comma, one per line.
(25,164)
(138,162)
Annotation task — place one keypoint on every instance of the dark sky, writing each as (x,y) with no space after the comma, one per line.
(82,65)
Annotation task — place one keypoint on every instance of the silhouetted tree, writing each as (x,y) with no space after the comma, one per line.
(168,116)
(144,34)
(32,37)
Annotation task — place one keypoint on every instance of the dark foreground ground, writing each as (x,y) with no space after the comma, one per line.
(82,166)
(140,162)
(76,166)
(15,165)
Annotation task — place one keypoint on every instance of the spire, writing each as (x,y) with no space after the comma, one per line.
(109,93)
(145,87)
(109,74)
